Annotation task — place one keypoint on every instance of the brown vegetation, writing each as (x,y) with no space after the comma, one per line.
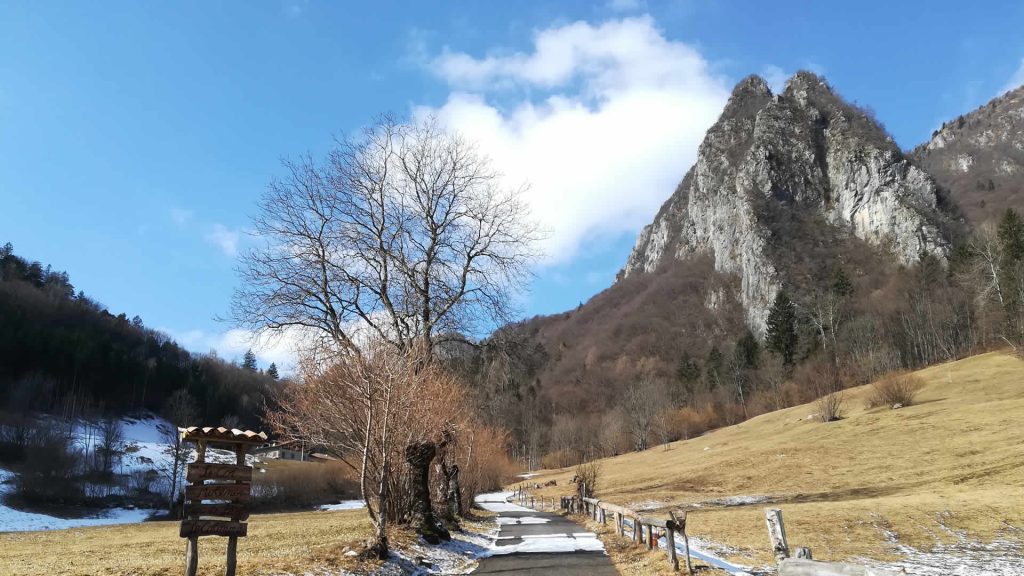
(894,390)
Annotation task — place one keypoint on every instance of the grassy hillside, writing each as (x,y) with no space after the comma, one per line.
(952,462)
(277,543)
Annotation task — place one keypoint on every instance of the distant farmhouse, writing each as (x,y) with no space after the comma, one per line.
(291,450)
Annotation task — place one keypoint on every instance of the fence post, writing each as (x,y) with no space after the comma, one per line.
(680,521)
(777,533)
(650,538)
(637,531)
(620,524)
(670,546)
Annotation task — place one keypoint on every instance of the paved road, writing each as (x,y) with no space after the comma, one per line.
(535,543)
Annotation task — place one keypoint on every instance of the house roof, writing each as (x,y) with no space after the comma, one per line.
(222,435)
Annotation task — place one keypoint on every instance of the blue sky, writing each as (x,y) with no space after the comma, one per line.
(135,137)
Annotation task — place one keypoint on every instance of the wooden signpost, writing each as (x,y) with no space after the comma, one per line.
(217,496)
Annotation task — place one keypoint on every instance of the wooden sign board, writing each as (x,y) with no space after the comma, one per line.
(191,528)
(238,493)
(232,511)
(226,472)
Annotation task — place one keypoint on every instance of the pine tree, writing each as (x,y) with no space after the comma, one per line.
(1011,236)
(687,371)
(249,360)
(272,371)
(841,284)
(780,336)
(746,351)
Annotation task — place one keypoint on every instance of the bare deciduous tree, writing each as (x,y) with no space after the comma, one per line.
(407,231)
(180,411)
(369,409)
(644,400)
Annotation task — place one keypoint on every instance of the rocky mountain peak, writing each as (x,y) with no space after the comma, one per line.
(801,164)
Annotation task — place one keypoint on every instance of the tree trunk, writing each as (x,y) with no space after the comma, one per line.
(454,492)
(419,456)
(448,491)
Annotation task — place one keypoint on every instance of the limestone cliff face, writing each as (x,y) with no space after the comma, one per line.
(803,150)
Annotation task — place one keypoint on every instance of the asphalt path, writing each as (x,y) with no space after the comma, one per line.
(530,542)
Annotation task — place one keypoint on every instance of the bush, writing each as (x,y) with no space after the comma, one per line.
(558,459)
(693,422)
(588,475)
(485,464)
(827,383)
(831,406)
(893,390)
(301,485)
(48,476)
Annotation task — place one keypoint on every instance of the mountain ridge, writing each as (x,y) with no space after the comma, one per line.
(805,149)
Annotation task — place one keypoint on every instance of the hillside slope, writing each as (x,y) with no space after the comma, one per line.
(979,158)
(947,471)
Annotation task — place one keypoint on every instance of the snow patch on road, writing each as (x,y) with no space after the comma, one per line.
(548,543)
(524,520)
(498,502)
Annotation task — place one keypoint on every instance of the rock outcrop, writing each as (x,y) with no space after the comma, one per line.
(806,152)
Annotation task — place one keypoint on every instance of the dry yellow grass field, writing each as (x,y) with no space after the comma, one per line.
(277,543)
(952,461)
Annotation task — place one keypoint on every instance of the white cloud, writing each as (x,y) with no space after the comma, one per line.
(180,216)
(224,238)
(1017,79)
(620,114)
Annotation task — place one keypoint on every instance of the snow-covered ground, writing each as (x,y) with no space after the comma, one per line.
(964,557)
(144,450)
(344,505)
(12,520)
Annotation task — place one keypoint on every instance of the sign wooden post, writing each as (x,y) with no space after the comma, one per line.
(217,508)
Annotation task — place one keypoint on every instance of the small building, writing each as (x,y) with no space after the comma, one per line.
(291,450)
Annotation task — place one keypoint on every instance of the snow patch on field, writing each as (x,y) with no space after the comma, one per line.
(344,505)
(733,501)
(12,520)
(964,557)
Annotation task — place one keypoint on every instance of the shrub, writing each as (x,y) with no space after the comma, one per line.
(588,475)
(831,406)
(695,422)
(894,389)
(48,475)
(298,485)
(827,383)
(484,462)
(558,459)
